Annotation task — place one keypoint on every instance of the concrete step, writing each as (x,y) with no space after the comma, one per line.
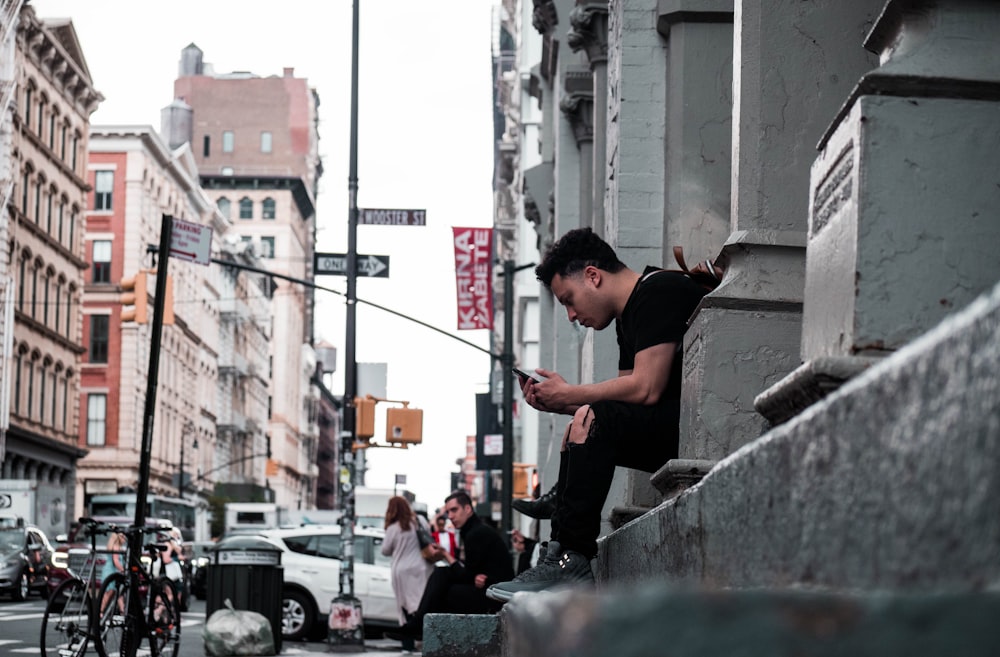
(658,620)
(461,635)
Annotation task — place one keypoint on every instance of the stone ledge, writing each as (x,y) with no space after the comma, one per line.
(680,474)
(622,515)
(808,384)
(461,635)
(657,620)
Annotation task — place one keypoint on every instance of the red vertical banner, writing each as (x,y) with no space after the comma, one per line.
(474,277)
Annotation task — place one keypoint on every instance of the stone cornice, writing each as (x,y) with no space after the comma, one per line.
(544,16)
(589,30)
(51,59)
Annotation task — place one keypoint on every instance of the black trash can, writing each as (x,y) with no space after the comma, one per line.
(247,571)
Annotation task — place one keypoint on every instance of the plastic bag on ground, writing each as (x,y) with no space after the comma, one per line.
(237,632)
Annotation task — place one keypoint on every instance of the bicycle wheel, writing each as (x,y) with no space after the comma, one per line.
(68,621)
(164,619)
(112,625)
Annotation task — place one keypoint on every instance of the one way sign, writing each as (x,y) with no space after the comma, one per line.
(335,264)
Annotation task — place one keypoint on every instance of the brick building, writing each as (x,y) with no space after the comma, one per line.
(45,113)
(255,142)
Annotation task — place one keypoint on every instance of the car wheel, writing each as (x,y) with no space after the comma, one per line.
(21,590)
(297,615)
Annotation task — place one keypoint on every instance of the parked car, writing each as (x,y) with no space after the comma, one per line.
(198,566)
(24,559)
(311,562)
(72,555)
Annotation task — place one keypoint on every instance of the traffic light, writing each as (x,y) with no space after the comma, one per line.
(134,295)
(168,302)
(364,417)
(404,425)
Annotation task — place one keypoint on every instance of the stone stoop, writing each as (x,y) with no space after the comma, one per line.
(461,635)
(888,483)
(659,620)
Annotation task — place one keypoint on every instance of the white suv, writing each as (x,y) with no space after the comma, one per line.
(311,562)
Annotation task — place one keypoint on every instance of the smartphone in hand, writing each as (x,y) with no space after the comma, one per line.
(524,376)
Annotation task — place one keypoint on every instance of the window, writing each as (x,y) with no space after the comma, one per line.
(246,208)
(228,140)
(45,298)
(62,141)
(38,201)
(27,105)
(99,338)
(25,192)
(55,392)
(52,131)
(102,261)
(65,407)
(22,285)
(267,208)
(31,388)
(206,146)
(265,142)
(76,150)
(266,247)
(62,209)
(225,207)
(97,406)
(58,304)
(227,171)
(72,224)
(19,365)
(41,115)
(48,210)
(42,380)
(104,182)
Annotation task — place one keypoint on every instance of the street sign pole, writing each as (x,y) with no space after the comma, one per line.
(346,630)
(149,411)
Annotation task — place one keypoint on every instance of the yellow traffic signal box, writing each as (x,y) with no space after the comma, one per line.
(404,425)
(134,298)
(364,417)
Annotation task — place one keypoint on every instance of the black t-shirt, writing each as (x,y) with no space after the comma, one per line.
(657,312)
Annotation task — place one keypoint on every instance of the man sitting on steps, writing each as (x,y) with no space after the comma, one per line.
(631,420)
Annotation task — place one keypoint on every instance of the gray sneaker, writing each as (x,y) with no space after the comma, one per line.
(559,567)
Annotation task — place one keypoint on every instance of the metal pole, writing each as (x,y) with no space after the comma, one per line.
(346,627)
(507,364)
(135,540)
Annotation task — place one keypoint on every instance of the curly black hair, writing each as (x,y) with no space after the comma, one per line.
(575,250)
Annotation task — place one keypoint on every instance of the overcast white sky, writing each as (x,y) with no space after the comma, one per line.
(425,141)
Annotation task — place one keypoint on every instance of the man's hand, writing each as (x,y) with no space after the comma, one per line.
(553,395)
(480,581)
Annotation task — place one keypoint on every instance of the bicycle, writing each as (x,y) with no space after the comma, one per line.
(136,606)
(68,622)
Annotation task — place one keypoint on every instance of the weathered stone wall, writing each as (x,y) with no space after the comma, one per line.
(890,483)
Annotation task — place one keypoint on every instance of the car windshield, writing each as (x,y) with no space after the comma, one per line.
(11,540)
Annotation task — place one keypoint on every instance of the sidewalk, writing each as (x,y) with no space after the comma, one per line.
(376,647)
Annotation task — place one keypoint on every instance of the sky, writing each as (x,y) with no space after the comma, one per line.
(424,142)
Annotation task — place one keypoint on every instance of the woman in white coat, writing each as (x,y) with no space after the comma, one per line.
(409,569)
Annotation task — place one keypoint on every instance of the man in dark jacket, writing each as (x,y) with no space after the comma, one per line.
(461,587)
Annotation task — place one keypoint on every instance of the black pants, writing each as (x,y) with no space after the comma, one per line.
(446,593)
(627,435)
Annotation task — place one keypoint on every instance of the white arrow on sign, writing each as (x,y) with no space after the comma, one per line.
(371,266)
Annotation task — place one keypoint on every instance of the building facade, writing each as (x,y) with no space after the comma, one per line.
(136,180)
(45,261)
(255,142)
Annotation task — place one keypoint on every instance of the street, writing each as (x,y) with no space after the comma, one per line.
(20,625)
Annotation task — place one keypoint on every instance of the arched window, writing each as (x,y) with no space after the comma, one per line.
(246,208)
(22,284)
(267,209)
(29,92)
(225,207)
(38,200)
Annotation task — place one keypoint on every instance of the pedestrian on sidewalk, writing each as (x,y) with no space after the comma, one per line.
(409,569)
(631,420)
(461,587)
